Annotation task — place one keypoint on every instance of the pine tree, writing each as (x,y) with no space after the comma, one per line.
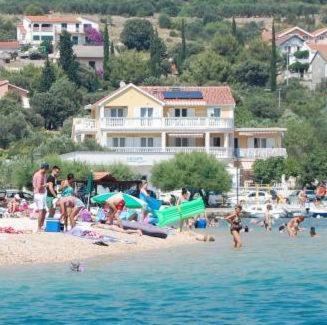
(112,48)
(158,52)
(67,59)
(234,28)
(273,62)
(106,58)
(182,55)
(48,77)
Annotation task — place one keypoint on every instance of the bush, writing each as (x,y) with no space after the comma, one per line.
(301,54)
(173,33)
(299,67)
(164,21)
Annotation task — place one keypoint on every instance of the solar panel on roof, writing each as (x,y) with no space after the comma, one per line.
(181,94)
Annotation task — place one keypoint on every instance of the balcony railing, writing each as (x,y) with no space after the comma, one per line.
(255,153)
(167,123)
(218,152)
(84,125)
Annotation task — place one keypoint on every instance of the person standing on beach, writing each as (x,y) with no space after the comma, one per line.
(184,197)
(268,218)
(51,190)
(116,206)
(39,189)
(236,226)
(303,196)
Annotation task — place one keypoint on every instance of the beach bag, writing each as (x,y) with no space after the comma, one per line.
(85,215)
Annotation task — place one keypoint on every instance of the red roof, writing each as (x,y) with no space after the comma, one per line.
(215,95)
(52,19)
(9,45)
(319,31)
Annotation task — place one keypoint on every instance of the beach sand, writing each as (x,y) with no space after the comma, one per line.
(45,247)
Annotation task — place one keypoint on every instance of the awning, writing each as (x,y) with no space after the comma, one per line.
(99,177)
(186,135)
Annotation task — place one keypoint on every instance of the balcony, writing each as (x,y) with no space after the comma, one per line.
(218,152)
(84,125)
(166,123)
(261,153)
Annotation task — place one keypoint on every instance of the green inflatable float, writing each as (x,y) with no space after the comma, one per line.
(184,211)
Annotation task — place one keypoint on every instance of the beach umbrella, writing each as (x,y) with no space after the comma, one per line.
(131,202)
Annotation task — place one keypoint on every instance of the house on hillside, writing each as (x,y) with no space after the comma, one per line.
(6,87)
(141,125)
(317,73)
(90,55)
(35,29)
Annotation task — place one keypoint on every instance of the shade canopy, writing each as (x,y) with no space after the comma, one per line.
(131,202)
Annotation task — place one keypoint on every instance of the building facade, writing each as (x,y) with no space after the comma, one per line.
(6,87)
(35,29)
(146,124)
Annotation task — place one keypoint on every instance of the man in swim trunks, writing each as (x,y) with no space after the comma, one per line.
(116,205)
(39,189)
(293,225)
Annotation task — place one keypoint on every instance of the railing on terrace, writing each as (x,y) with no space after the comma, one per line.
(84,124)
(167,122)
(254,153)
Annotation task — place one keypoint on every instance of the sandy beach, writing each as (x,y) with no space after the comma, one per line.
(45,247)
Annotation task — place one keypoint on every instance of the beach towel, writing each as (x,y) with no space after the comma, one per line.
(10,230)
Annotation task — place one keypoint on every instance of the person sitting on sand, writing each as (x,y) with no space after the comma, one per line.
(115,205)
(236,225)
(268,218)
(293,225)
(13,205)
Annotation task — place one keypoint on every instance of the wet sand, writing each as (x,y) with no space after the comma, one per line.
(45,247)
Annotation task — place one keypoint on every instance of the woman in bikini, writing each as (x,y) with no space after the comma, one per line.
(268,218)
(293,225)
(236,226)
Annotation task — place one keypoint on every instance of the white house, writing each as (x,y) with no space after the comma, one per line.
(35,29)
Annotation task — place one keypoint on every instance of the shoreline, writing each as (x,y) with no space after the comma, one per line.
(53,248)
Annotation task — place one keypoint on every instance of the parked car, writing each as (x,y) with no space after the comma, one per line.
(252,197)
(10,193)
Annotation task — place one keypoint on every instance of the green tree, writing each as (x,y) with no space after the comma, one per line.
(182,54)
(164,21)
(273,62)
(234,28)
(106,59)
(60,102)
(112,48)
(314,166)
(129,66)
(33,9)
(158,53)
(46,46)
(253,73)
(67,59)
(48,76)
(206,67)
(196,170)
(269,170)
(226,45)
(137,34)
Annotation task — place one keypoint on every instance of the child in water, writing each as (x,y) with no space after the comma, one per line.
(313,232)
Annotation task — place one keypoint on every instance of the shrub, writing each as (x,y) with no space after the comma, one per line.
(164,21)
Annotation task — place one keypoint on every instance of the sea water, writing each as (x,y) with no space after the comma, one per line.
(273,279)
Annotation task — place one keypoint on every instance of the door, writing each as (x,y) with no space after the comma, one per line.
(180,112)
(146,116)
(181,142)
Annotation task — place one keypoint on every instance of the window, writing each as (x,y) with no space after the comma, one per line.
(50,38)
(46,26)
(214,112)
(75,40)
(116,112)
(36,26)
(146,112)
(77,27)
(180,112)
(92,64)
(63,26)
(146,142)
(86,26)
(181,142)
(36,38)
(236,145)
(118,142)
(216,142)
(260,143)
